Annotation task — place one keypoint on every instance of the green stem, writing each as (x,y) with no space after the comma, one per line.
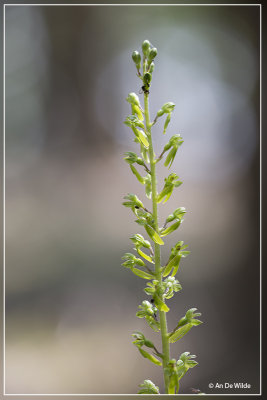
(162,314)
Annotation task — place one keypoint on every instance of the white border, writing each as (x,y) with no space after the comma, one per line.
(126,5)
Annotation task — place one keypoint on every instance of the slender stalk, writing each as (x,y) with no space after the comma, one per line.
(162,314)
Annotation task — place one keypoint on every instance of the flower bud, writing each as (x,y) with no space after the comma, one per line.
(151,68)
(147,78)
(136,57)
(133,99)
(148,343)
(146,47)
(152,54)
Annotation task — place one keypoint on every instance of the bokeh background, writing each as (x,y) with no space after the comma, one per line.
(70,306)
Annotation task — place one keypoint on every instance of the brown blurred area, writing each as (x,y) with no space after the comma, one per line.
(70,306)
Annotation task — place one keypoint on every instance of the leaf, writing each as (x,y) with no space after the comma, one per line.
(179,333)
(174,263)
(154,235)
(142,274)
(149,356)
(170,229)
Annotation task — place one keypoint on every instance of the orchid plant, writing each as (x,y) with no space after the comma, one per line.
(162,282)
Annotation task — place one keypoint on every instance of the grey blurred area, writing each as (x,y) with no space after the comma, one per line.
(70,306)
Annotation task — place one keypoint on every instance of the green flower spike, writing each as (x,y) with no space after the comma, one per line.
(161,276)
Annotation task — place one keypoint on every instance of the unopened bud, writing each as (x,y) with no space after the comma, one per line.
(147,78)
(148,343)
(151,68)
(152,54)
(133,99)
(137,59)
(146,47)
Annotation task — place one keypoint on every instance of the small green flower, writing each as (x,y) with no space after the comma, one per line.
(171,182)
(133,201)
(166,109)
(148,387)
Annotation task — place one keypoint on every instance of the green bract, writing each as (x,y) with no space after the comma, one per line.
(162,283)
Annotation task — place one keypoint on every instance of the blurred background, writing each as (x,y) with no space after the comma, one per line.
(70,306)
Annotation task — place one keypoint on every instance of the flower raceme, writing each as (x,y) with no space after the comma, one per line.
(162,282)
